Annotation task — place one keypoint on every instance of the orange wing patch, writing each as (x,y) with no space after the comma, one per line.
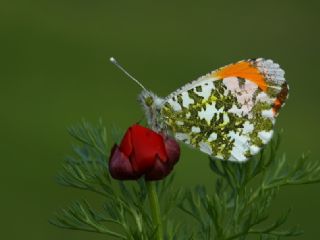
(243,70)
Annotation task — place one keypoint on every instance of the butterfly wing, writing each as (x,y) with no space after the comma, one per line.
(229,113)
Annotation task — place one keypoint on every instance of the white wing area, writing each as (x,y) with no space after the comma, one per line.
(200,81)
(272,71)
(229,117)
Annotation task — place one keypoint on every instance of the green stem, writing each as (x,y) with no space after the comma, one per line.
(155,209)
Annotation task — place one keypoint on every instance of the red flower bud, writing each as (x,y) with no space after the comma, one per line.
(143,152)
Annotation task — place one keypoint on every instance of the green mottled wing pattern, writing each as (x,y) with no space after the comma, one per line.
(228,118)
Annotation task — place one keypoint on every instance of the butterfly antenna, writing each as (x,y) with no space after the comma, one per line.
(114,61)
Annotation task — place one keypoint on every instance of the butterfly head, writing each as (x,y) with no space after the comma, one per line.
(151,105)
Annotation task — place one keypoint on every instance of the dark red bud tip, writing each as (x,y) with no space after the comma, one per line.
(120,167)
(172,148)
(159,170)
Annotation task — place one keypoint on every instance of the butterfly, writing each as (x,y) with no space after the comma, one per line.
(228,113)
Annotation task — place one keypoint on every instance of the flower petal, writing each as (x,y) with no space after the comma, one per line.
(126,143)
(120,166)
(143,152)
(147,146)
(173,149)
(159,170)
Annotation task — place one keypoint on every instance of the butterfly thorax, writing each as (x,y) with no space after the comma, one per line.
(152,105)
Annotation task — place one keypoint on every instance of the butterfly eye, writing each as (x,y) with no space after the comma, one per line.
(148,101)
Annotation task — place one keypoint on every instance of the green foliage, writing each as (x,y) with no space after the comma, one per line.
(125,213)
(240,203)
(237,206)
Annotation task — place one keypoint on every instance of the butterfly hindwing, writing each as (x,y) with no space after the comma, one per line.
(229,113)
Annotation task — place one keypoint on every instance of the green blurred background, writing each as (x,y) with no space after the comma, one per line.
(54,70)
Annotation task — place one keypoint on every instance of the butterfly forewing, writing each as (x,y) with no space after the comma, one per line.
(229,113)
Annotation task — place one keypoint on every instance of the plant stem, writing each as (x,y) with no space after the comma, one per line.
(155,209)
